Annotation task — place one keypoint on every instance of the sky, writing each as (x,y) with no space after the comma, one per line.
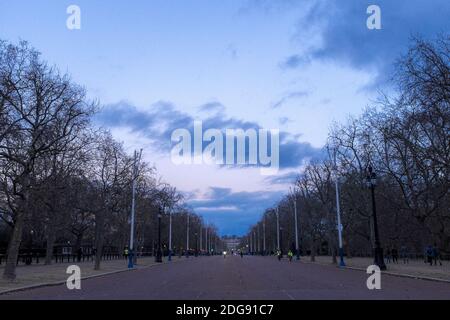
(292,65)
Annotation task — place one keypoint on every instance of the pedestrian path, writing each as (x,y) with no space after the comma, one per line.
(236,278)
(44,274)
(415,268)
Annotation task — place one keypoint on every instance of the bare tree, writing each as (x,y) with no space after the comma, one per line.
(43,111)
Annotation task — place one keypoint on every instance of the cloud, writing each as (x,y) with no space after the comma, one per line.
(284,120)
(294,153)
(294,61)
(289,96)
(267,6)
(247,208)
(232,51)
(159,121)
(215,107)
(283,179)
(344,37)
(219,209)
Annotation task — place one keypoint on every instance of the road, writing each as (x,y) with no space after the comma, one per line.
(233,278)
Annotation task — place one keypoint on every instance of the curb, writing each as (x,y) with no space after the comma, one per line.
(57,283)
(403,275)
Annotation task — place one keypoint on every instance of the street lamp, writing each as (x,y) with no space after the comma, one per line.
(255,239)
(297,249)
(159,251)
(264,235)
(187,236)
(333,152)
(278,229)
(371,181)
(170,235)
(131,257)
(196,244)
(281,241)
(339,224)
(201,239)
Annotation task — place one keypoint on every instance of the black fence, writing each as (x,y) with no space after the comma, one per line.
(38,258)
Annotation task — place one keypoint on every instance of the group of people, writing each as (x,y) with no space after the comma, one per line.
(432,255)
(280,255)
(392,254)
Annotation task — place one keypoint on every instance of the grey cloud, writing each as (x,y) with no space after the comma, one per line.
(158,122)
(294,61)
(289,96)
(250,206)
(212,107)
(347,39)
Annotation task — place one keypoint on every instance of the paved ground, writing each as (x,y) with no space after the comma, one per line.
(56,272)
(414,267)
(236,278)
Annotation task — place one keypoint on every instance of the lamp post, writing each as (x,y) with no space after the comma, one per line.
(339,224)
(255,234)
(137,158)
(170,235)
(196,244)
(264,235)
(159,251)
(281,240)
(371,181)
(206,241)
(278,229)
(187,235)
(201,239)
(297,249)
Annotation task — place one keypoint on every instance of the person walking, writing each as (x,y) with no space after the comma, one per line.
(126,253)
(436,255)
(429,255)
(394,253)
(242,254)
(404,255)
(388,255)
(290,255)
(279,255)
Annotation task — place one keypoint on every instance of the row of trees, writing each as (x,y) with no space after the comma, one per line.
(62,179)
(405,138)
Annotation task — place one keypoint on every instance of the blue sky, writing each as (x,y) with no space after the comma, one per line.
(158,65)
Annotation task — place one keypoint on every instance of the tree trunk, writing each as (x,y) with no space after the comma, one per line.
(78,241)
(49,247)
(313,251)
(99,230)
(16,236)
(13,249)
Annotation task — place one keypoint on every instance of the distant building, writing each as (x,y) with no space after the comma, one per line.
(231,242)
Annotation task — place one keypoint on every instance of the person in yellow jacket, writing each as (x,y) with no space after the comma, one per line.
(290,255)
